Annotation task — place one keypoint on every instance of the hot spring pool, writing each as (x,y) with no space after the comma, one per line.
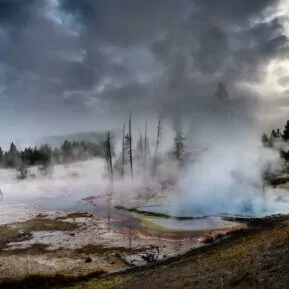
(275,203)
(203,224)
(167,210)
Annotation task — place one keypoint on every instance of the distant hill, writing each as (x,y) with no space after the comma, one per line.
(57,141)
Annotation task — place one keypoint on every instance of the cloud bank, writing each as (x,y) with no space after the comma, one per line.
(90,59)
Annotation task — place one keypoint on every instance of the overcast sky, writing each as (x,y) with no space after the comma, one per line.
(76,65)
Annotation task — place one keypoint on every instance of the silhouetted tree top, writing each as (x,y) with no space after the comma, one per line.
(285,135)
(179,151)
(265,140)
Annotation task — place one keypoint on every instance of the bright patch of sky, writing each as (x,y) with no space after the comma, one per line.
(53,12)
(284,11)
(277,68)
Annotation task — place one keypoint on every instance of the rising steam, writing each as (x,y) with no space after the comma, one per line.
(228,178)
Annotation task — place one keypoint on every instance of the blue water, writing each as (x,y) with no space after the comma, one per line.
(246,208)
(159,209)
(169,210)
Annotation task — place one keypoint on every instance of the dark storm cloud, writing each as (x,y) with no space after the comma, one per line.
(62,56)
(234,10)
(126,22)
(42,58)
(213,42)
(16,11)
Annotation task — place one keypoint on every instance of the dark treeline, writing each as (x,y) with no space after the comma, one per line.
(45,154)
(278,137)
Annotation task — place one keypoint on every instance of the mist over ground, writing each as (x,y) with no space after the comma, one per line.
(70,66)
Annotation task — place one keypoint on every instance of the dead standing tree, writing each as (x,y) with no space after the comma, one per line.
(123,152)
(110,173)
(159,128)
(145,161)
(145,147)
(139,148)
(130,147)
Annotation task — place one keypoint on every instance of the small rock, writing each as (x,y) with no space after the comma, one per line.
(88,260)
(208,240)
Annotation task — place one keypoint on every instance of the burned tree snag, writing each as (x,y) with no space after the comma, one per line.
(130,148)
(157,146)
(110,172)
(145,146)
(123,152)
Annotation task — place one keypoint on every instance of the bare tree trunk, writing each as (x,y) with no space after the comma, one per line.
(130,241)
(109,156)
(123,151)
(130,148)
(145,161)
(157,146)
(140,144)
(145,147)
(110,172)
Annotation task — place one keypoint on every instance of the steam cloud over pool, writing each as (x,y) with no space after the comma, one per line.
(228,177)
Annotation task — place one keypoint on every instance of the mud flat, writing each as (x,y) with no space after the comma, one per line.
(201,267)
(72,245)
(75,245)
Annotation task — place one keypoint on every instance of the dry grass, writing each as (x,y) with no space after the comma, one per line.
(75,215)
(43,282)
(102,283)
(100,249)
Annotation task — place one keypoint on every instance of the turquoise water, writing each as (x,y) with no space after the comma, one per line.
(245,208)
(168,210)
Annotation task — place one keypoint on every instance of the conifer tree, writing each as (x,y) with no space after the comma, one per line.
(179,150)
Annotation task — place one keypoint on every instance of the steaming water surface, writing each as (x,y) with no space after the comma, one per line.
(63,192)
(58,199)
(198,197)
(249,204)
